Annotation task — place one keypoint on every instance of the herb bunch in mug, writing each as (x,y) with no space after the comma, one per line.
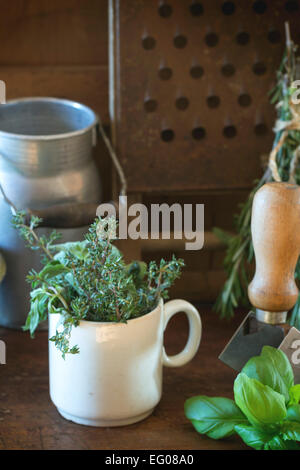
(89,280)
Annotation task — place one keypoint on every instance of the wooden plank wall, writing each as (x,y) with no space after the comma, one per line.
(60,48)
(56,48)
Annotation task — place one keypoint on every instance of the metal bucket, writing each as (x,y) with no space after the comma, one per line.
(45,159)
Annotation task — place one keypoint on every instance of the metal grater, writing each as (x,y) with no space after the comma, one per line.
(189,89)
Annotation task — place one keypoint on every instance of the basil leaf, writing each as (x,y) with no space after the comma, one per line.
(277,443)
(261,440)
(290,431)
(271,368)
(294,394)
(263,407)
(215,417)
(253,437)
(293,413)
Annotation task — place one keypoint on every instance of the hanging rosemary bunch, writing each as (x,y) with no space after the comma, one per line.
(283,166)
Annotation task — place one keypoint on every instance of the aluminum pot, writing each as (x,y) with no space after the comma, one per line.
(45,159)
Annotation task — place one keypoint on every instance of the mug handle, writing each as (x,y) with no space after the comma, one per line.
(195,331)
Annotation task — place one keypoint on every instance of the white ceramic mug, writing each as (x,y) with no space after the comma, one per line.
(116,379)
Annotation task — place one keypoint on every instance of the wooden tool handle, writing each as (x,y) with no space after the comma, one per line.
(275,230)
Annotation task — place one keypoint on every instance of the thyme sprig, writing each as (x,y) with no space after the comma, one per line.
(89,280)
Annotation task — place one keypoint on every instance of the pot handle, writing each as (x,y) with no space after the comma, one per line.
(195,331)
(112,153)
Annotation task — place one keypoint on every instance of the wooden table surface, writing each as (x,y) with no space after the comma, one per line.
(28,419)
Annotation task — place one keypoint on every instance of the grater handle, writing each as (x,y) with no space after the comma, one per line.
(275,228)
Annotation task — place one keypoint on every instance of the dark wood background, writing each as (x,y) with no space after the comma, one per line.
(56,48)
(60,48)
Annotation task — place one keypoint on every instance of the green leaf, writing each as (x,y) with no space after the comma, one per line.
(263,407)
(137,269)
(261,440)
(52,269)
(213,416)
(294,394)
(33,317)
(293,413)
(77,249)
(252,436)
(89,280)
(290,431)
(278,443)
(271,368)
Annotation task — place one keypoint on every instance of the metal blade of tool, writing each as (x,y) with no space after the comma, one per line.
(249,340)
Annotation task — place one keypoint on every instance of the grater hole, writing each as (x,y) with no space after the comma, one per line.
(229,131)
(196,71)
(228,8)
(274,36)
(244,100)
(242,38)
(291,6)
(165,10)
(148,43)
(198,133)
(182,103)
(196,9)
(150,105)
(259,7)
(213,101)
(211,39)
(167,135)
(228,70)
(260,129)
(259,68)
(180,41)
(165,73)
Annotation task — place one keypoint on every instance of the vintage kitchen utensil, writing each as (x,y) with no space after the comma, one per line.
(199,82)
(67,215)
(276,241)
(46,159)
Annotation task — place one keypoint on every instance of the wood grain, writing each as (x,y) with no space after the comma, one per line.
(28,419)
(276,243)
(86,84)
(56,32)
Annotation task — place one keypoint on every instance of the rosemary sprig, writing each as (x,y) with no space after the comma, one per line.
(239,253)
